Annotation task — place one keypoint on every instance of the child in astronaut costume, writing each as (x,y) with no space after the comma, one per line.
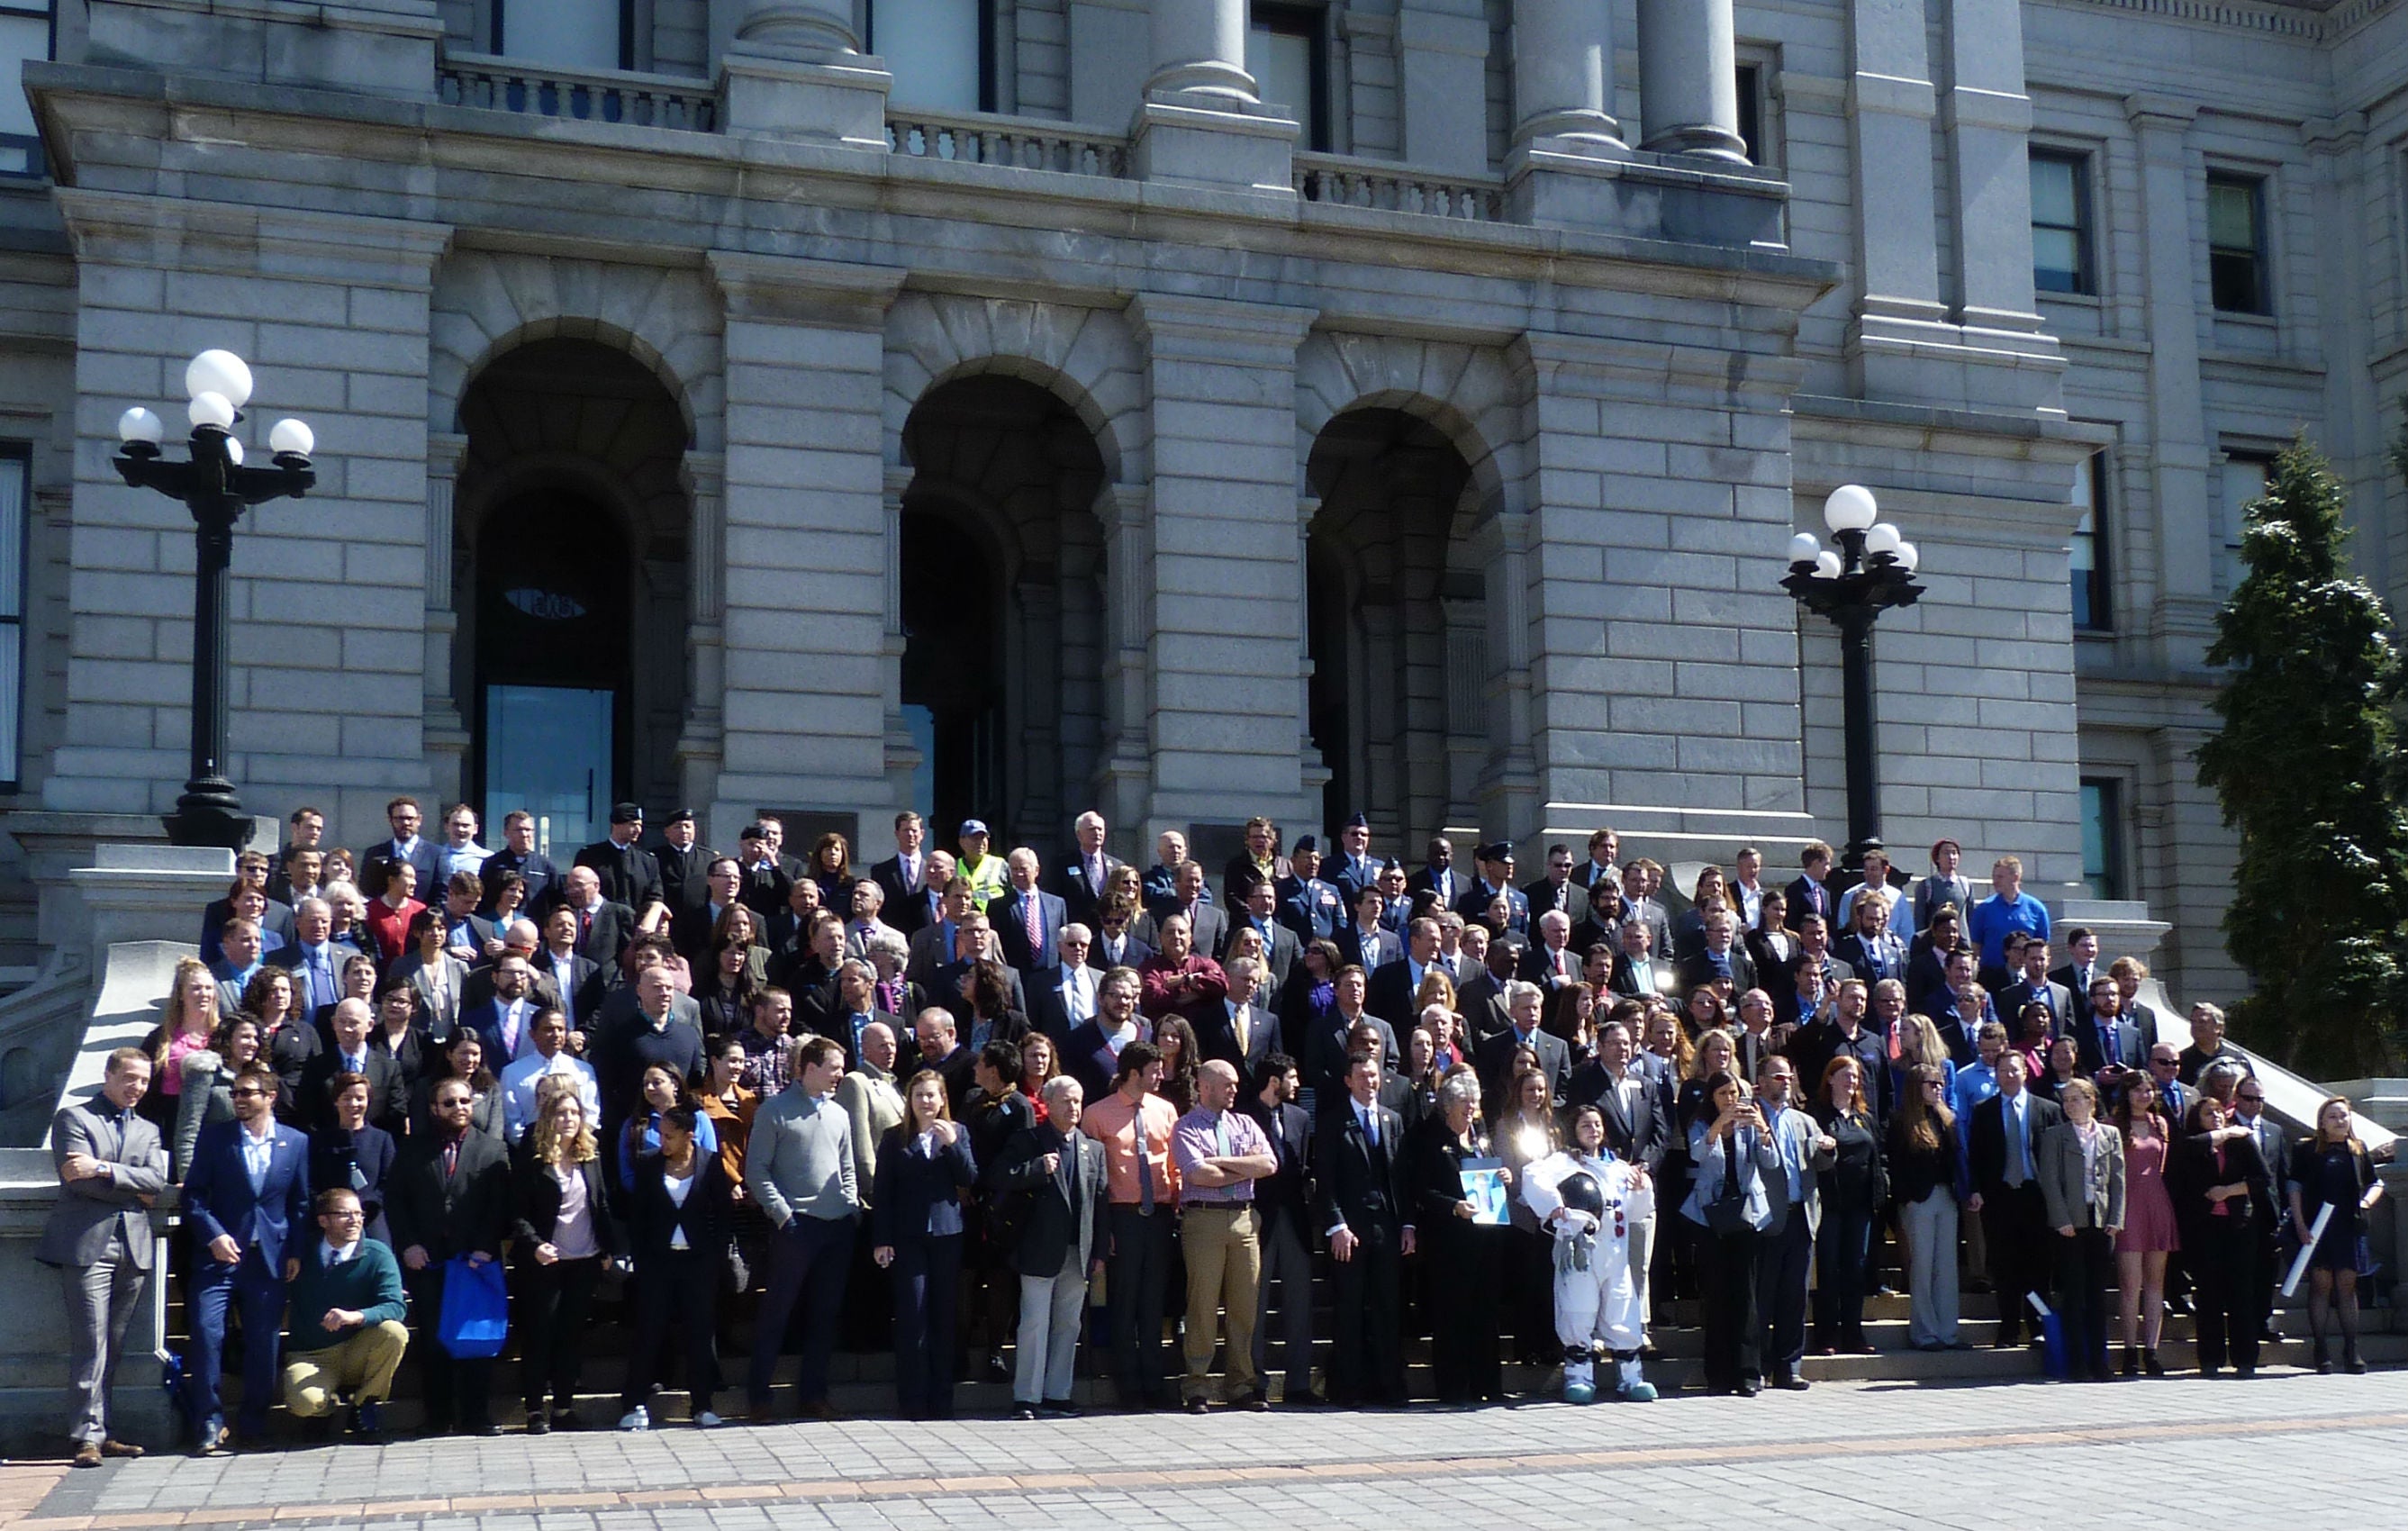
(1588,1198)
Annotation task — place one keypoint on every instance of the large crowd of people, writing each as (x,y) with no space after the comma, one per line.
(428,1100)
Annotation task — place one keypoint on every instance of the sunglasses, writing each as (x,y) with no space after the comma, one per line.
(250,1094)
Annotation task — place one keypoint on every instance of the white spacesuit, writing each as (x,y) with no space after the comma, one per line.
(1588,1201)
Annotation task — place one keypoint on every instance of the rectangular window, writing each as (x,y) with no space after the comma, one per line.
(2102,836)
(566,33)
(2246,475)
(1285,53)
(2236,244)
(1751,111)
(24,34)
(939,50)
(16,494)
(2060,199)
(2093,609)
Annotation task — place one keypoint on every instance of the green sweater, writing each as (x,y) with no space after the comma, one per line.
(368,1282)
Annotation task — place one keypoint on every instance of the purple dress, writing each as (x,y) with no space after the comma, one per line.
(2148,1211)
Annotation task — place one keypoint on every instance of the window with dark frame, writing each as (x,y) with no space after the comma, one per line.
(2245,476)
(2236,244)
(1751,111)
(2102,836)
(26,33)
(15,499)
(1287,52)
(941,52)
(2060,222)
(2093,602)
(566,33)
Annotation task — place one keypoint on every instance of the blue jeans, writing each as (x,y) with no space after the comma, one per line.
(258,1294)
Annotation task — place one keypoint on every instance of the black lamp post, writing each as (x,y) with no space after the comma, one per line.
(217,487)
(1871,570)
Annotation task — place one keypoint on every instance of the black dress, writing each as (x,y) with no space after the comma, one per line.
(2336,1176)
(1465,1266)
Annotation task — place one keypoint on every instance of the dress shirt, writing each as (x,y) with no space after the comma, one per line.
(1217,1135)
(2016,1114)
(258,1153)
(1117,1125)
(1078,989)
(330,1255)
(511,1025)
(522,1081)
(320,976)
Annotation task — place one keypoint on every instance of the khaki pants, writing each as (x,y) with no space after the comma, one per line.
(1224,1269)
(362,1366)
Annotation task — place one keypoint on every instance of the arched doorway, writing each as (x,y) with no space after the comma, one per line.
(1397,626)
(1003,607)
(571,546)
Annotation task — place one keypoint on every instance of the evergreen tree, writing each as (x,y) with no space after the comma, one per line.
(2304,768)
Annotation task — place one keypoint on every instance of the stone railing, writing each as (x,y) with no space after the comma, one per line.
(1021,142)
(499,84)
(1393,188)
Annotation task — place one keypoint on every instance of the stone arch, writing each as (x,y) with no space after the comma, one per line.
(1464,392)
(488,304)
(1084,356)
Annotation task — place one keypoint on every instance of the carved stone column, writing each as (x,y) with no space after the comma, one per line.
(699,746)
(447,733)
(1563,72)
(1688,80)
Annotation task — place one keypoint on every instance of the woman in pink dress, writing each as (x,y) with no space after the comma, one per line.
(2148,1235)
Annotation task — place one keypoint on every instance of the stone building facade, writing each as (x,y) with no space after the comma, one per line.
(1196,411)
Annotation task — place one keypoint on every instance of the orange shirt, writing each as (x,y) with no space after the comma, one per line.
(1115,1124)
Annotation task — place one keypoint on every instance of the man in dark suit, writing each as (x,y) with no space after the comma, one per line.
(449,1195)
(1493,1058)
(1085,874)
(2106,1046)
(1358,1156)
(898,877)
(938,942)
(684,864)
(518,854)
(246,1193)
(768,877)
(721,885)
(1496,880)
(1811,894)
(111,1171)
(1241,1030)
(1060,1189)
(1482,1001)
(1363,941)
(629,872)
(603,926)
(2035,986)
(1116,943)
(1558,889)
(1638,972)
(1437,875)
(1871,947)
(1283,1203)
(388,1092)
(1027,920)
(1393,985)
(1327,1042)
(1308,904)
(2082,964)
(1354,868)
(2003,1148)
(1550,961)
(1259,912)
(1208,923)
(1063,996)
(402,814)
(1722,960)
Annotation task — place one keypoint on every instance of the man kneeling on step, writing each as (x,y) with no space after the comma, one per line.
(348,1336)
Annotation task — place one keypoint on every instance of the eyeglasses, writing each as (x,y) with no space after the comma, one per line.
(345,1214)
(248,1094)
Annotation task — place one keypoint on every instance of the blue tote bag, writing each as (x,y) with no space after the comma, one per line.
(476,1309)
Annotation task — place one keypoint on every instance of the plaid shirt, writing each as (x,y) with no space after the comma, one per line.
(770,1064)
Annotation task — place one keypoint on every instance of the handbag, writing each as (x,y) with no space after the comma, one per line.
(476,1309)
(1727,1213)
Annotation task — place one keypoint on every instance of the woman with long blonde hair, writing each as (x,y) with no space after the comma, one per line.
(565,1231)
(1927,1179)
(189,1026)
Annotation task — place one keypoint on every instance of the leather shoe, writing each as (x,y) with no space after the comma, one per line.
(1792,1383)
(125,1448)
(1024,1413)
(1197,1405)
(1748,1387)
(819,1410)
(88,1454)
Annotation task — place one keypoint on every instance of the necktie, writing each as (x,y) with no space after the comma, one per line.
(1029,918)
(1371,1127)
(1144,1165)
(2020,1167)
(1238,1022)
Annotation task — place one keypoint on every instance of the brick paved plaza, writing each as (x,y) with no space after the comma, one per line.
(1858,1455)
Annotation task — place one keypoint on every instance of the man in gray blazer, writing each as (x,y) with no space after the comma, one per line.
(111,1169)
(1060,1174)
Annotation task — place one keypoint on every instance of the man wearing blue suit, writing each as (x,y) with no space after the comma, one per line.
(1027,922)
(246,1193)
